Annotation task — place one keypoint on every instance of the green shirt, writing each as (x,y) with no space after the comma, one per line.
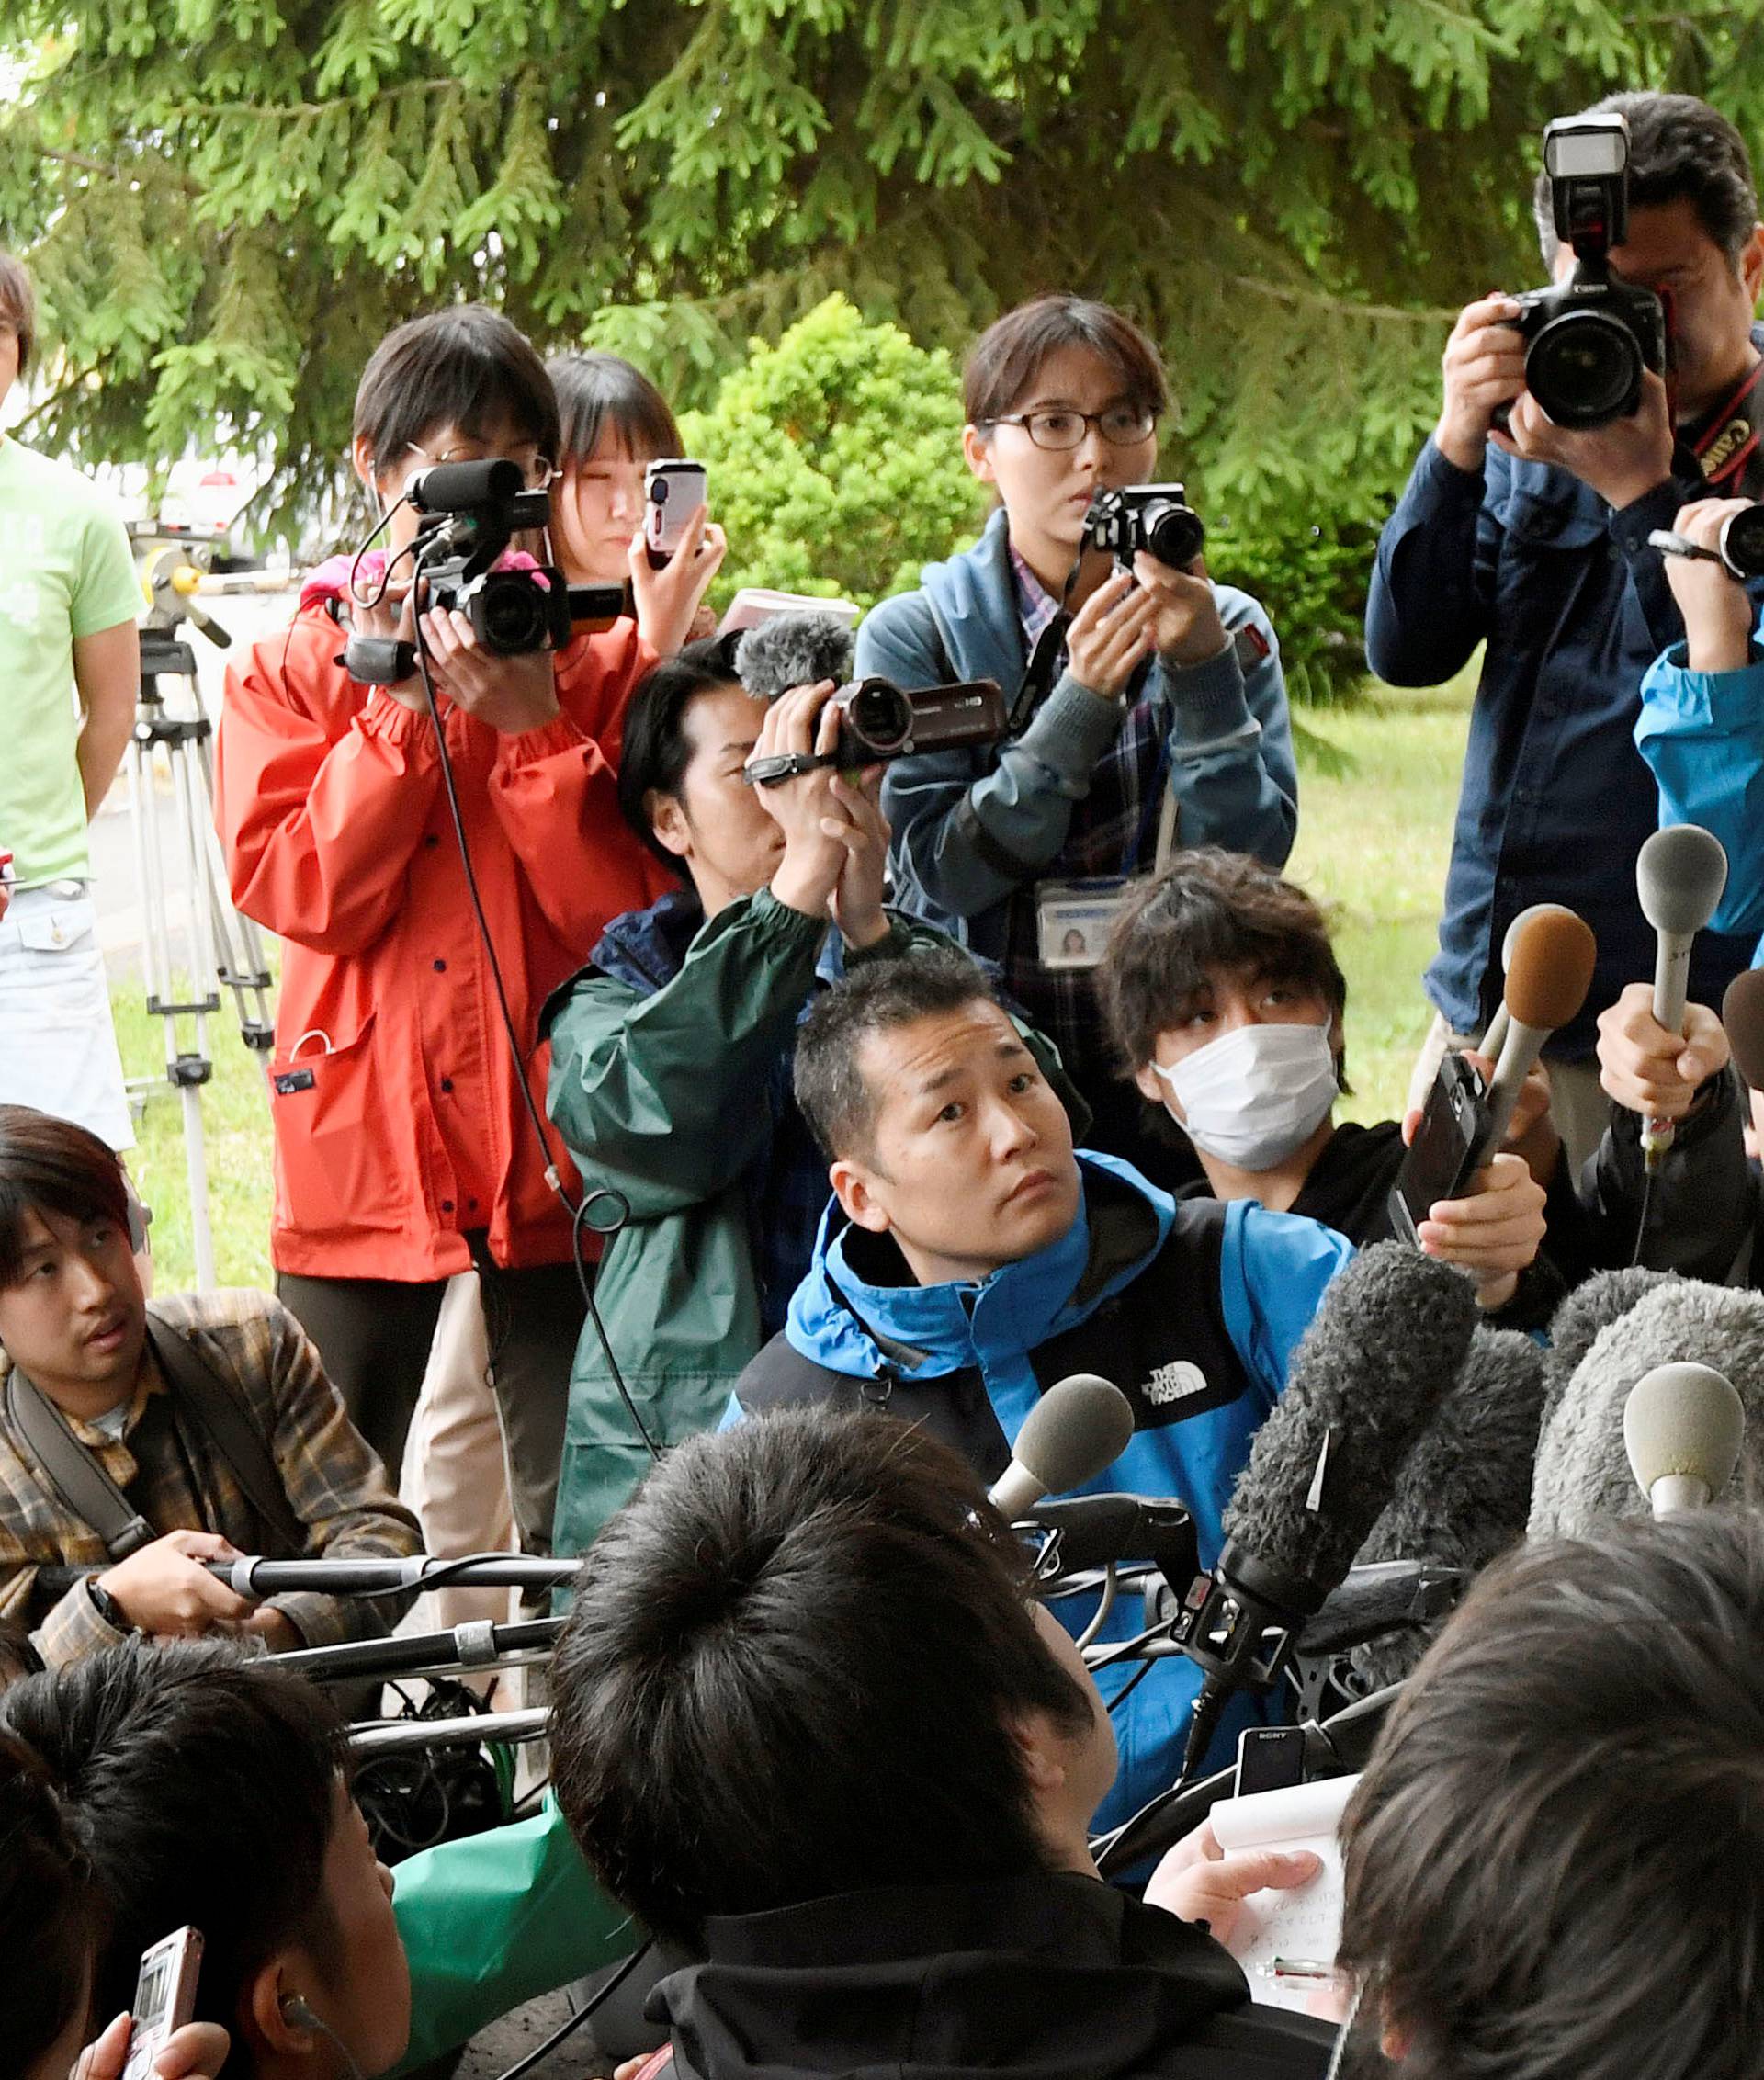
(65,571)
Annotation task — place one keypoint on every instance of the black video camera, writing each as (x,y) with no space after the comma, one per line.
(879,721)
(1156,519)
(1589,341)
(473,510)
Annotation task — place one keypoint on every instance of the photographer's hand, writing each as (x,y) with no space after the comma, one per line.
(1717,610)
(1111,635)
(1187,629)
(863,832)
(513,695)
(801,720)
(1622,461)
(666,600)
(390,615)
(1483,365)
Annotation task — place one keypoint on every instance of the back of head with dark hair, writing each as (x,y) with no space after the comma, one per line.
(789,1673)
(18,308)
(1555,1857)
(831,1091)
(1209,910)
(1679,149)
(200,1787)
(1007,358)
(50,1913)
(598,390)
(653,753)
(52,1166)
(466,366)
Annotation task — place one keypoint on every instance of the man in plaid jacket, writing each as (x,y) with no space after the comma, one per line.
(75,1334)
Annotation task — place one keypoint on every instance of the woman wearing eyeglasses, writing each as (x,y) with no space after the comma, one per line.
(1147,706)
(403,1149)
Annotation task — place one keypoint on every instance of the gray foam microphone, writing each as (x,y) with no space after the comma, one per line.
(1079,1428)
(795,650)
(1497,1032)
(1680,875)
(1683,1426)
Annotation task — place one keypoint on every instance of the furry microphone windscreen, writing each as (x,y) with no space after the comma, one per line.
(1589,1309)
(795,650)
(1464,1494)
(1582,1479)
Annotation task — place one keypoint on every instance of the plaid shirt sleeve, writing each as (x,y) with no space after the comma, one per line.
(334,1483)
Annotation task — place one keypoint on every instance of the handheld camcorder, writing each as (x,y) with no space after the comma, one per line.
(1740,543)
(1589,341)
(473,510)
(878,719)
(1156,519)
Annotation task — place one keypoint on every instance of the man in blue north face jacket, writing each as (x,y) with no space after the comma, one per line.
(974,1258)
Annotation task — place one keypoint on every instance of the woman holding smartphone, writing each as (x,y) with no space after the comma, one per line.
(1147,705)
(613,423)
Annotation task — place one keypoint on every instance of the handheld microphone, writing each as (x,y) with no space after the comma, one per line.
(795,650)
(1742,1017)
(1546,985)
(1080,1426)
(251,1575)
(464,487)
(1497,1033)
(1390,1337)
(1680,875)
(1588,1467)
(1683,1426)
(1465,1490)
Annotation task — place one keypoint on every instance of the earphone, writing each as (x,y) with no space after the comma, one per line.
(295,2010)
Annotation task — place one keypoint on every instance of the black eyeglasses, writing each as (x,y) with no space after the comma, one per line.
(1121,425)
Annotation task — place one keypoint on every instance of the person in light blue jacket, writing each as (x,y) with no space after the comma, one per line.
(1701,725)
(974,1258)
(1147,704)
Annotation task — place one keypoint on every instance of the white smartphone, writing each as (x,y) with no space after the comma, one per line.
(672,492)
(165,1998)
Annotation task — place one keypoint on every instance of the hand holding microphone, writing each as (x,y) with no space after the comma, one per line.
(1647,1070)
(1680,876)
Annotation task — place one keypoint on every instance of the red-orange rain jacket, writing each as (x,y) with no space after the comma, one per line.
(399,1123)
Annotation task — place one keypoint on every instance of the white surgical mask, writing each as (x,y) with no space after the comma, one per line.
(1252,1096)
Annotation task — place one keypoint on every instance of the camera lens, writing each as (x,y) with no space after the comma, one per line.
(510,614)
(1742,543)
(658,491)
(1173,533)
(880,717)
(1585,369)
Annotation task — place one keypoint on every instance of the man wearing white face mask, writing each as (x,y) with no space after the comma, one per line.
(1226,1000)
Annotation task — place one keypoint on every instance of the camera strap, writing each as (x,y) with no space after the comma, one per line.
(1727,450)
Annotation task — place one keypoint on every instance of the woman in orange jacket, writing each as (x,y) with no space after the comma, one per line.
(403,1148)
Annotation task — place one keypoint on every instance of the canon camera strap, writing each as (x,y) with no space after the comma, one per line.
(1727,450)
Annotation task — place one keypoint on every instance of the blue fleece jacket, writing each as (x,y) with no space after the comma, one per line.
(957,814)
(1703,733)
(1274,1269)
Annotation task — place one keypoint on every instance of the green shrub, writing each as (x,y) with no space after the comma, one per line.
(835,460)
(1312,578)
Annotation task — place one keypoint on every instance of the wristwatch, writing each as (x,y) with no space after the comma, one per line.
(107,1608)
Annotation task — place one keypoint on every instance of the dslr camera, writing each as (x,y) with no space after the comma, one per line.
(1589,341)
(472,511)
(1156,519)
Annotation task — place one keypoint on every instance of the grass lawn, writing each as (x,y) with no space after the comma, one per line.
(1372,841)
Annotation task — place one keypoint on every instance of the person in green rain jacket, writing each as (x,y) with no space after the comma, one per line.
(671,1056)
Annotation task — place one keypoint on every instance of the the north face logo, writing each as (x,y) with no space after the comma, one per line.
(1175,1382)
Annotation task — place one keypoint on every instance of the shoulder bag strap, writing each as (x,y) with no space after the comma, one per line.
(229,1427)
(72,1470)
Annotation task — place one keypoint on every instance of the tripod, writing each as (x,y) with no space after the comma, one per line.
(224,950)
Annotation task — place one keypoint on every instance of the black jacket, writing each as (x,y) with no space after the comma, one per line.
(1046,1977)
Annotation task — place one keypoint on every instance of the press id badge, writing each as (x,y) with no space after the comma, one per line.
(1073,920)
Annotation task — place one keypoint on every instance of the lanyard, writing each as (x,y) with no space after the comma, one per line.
(1727,450)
